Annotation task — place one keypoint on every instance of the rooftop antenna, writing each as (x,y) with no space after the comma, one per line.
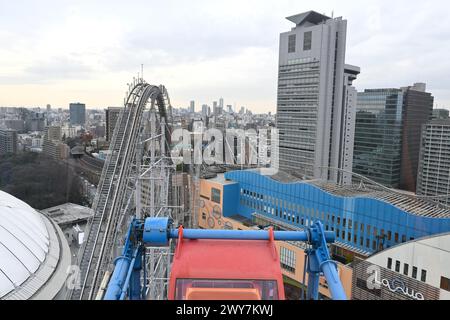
(142,71)
(332,14)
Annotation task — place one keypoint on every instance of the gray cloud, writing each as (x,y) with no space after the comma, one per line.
(395,43)
(50,71)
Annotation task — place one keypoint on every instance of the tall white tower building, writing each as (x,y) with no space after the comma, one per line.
(316,103)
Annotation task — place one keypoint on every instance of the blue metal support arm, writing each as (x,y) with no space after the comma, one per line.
(119,281)
(320,262)
(159,231)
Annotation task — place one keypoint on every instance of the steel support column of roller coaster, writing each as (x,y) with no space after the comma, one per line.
(116,199)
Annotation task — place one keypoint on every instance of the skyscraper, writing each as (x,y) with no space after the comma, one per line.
(387,135)
(77,114)
(433,177)
(314,122)
(378,135)
(418,109)
(192,106)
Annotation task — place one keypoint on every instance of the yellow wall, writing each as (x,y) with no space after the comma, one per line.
(345,273)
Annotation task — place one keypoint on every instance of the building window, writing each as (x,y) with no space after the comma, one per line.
(291,43)
(403,238)
(396,237)
(405,269)
(344,222)
(389,263)
(423,276)
(215,195)
(397,266)
(445,283)
(337,233)
(203,216)
(307,40)
(389,235)
(414,272)
(287,259)
(374,245)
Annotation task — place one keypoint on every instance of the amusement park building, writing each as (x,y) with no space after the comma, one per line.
(366,220)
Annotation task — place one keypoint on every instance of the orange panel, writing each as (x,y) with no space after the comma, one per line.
(222,294)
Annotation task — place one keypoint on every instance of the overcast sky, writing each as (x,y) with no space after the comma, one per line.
(61,51)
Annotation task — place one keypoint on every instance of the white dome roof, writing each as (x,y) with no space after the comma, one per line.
(24,242)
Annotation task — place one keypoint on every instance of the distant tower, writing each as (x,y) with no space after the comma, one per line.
(77,114)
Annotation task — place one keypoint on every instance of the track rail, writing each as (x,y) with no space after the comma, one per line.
(112,191)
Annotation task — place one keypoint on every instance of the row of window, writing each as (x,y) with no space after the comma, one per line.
(354,231)
(287,259)
(423,273)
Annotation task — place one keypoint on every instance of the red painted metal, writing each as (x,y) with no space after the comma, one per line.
(226,260)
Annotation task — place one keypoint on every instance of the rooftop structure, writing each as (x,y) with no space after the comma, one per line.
(420,266)
(34,255)
(68,213)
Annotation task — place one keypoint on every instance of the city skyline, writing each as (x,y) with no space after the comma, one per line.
(216,51)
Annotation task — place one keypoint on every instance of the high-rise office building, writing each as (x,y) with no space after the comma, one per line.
(433,177)
(314,123)
(8,141)
(192,106)
(112,114)
(77,114)
(418,109)
(387,134)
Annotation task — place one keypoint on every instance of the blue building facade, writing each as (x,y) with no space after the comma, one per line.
(360,222)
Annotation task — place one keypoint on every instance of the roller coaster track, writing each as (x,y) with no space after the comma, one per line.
(108,205)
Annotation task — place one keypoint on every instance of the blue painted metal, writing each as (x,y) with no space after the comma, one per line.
(246,235)
(299,204)
(122,265)
(127,267)
(155,231)
(158,231)
(320,262)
